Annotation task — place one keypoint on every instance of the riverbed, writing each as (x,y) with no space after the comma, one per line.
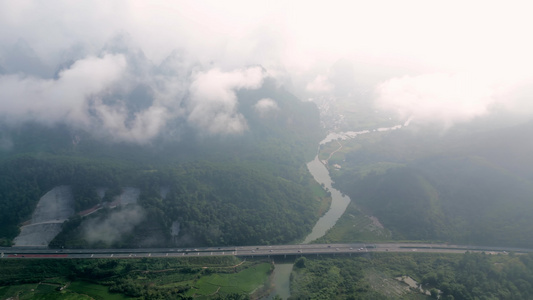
(339,202)
(281,280)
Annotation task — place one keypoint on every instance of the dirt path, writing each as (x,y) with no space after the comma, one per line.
(216,292)
(234,266)
(239,264)
(157,271)
(331,154)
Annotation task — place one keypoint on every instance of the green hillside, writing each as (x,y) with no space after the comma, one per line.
(223,190)
(461,186)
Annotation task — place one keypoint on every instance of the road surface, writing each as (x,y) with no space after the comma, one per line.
(250,251)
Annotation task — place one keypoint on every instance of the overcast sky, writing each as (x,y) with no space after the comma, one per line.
(430,60)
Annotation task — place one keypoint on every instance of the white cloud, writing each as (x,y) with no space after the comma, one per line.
(90,94)
(144,126)
(75,98)
(265,105)
(213,103)
(445,98)
(111,229)
(63,99)
(320,84)
(388,31)
(380,39)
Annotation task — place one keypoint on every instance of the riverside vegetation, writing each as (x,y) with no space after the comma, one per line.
(442,276)
(369,276)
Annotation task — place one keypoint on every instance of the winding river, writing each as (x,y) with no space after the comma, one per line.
(339,203)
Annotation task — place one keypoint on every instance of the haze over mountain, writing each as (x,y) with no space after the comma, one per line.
(125,69)
(466,186)
(182,124)
(190,95)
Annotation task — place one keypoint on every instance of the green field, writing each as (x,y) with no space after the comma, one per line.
(245,281)
(117,279)
(78,290)
(371,276)
(94,291)
(434,275)
(47,292)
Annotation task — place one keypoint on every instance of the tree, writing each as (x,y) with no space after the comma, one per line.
(300,262)
(434,293)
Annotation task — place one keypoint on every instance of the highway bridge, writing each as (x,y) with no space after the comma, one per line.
(252,251)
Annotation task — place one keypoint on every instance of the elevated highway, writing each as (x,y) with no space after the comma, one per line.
(252,251)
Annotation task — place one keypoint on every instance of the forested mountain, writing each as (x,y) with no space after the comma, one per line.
(462,186)
(247,188)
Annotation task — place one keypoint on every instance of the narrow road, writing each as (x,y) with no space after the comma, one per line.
(45,222)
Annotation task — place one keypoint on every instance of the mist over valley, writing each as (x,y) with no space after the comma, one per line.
(204,127)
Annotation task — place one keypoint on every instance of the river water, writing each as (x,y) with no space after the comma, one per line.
(339,203)
(281,279)
(282,272)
